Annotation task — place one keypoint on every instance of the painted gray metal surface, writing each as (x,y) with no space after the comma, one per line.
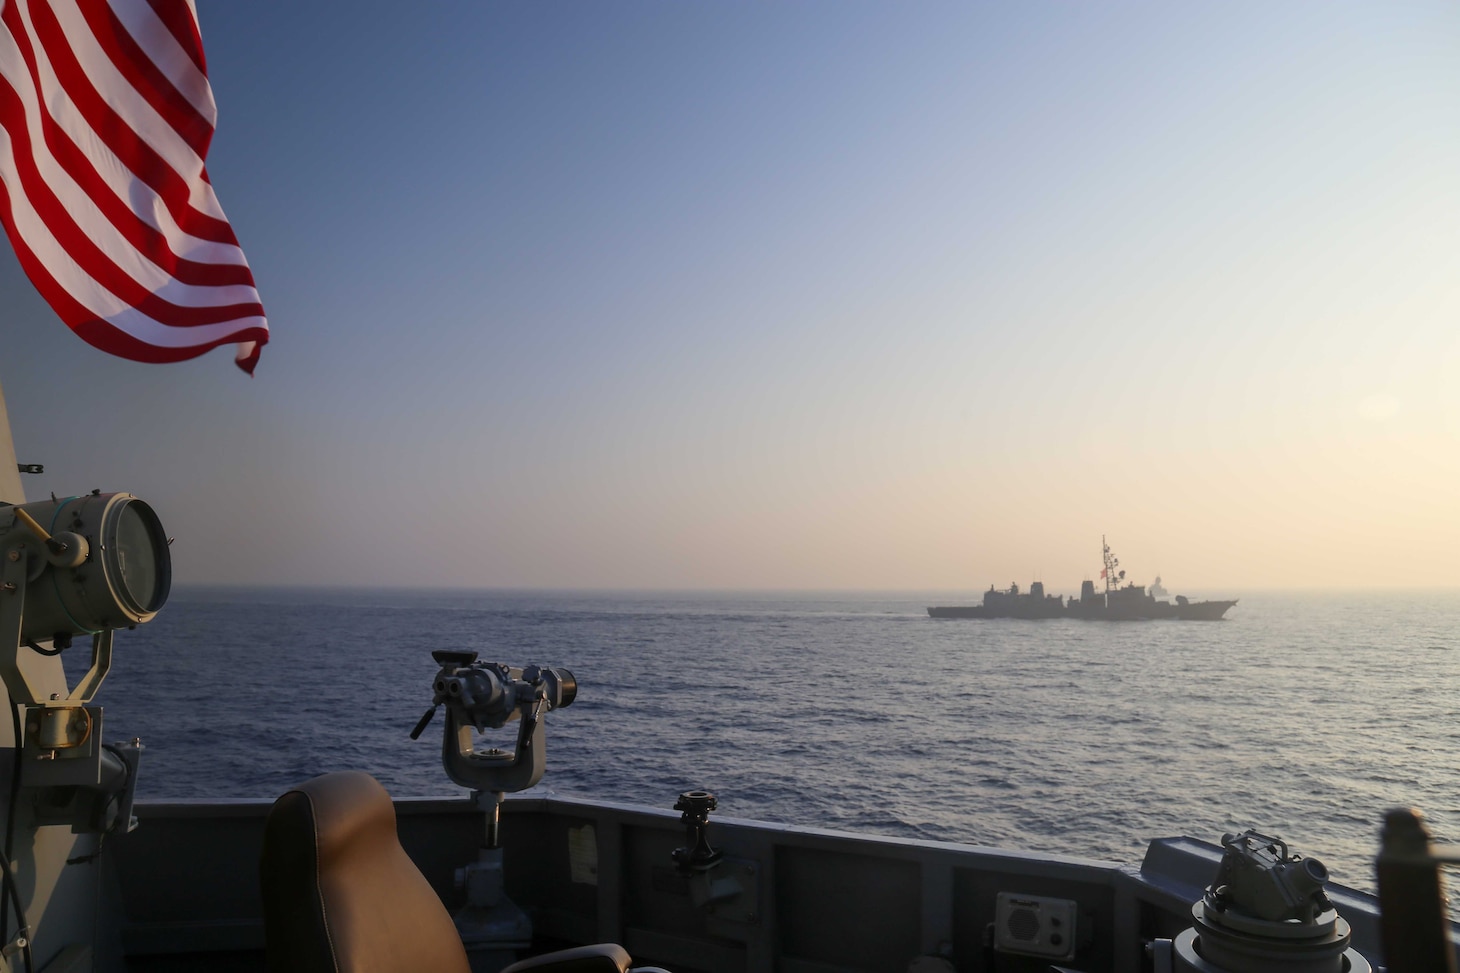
(10,488)
(823,901)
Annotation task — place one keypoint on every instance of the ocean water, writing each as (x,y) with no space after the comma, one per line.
(1303,715)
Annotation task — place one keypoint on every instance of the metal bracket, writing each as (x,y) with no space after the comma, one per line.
(494,770)
(14,577)
(62,746)
(729,890)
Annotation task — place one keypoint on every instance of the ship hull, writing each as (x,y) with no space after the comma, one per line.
(1203,611)
(958,611)
(1196,611)
(1036,610)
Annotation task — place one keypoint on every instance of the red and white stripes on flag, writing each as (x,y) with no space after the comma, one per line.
(105,118)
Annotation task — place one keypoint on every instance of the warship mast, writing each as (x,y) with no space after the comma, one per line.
(1110,574)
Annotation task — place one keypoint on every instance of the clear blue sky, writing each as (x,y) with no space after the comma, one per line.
(807,295)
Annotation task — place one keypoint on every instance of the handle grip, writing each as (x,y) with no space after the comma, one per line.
(421,726)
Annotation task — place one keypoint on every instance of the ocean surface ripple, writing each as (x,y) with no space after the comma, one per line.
(1303,715)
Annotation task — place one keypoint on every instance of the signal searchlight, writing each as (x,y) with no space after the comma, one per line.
(83,565)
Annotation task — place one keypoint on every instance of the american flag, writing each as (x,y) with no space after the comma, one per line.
(105,118)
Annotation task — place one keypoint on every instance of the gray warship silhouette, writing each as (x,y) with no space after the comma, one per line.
(1118,602)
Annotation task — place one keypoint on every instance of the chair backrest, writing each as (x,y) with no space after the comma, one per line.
(340,894)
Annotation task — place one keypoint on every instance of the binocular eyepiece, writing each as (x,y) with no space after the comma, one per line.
(491,694)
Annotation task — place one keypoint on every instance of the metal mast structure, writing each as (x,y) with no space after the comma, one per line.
(1110,574)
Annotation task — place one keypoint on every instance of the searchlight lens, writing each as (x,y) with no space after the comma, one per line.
(140,562)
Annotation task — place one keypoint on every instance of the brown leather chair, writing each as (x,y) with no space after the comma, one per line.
(342,896)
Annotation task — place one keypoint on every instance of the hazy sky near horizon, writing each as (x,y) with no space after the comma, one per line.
(807,295)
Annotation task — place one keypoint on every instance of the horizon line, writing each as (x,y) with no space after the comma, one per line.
(607,589)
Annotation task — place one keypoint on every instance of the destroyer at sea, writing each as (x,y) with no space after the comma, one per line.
(1118,602)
